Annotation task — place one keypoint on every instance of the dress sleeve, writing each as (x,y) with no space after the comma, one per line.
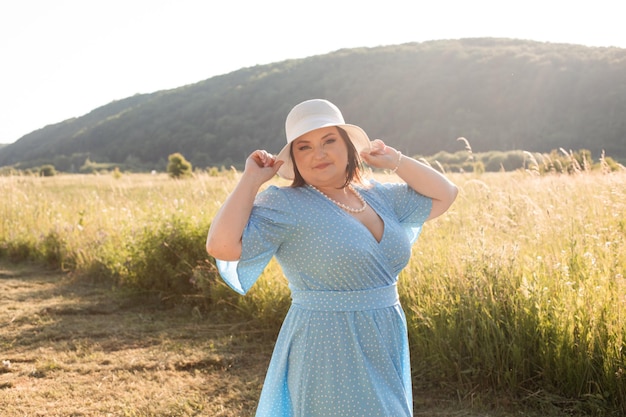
(410,207)
(269,225)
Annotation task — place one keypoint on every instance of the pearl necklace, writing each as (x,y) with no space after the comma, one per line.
(343,206)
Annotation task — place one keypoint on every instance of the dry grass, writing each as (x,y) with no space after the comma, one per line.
(71,349)
(75,350)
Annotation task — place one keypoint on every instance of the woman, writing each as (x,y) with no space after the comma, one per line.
(341,243)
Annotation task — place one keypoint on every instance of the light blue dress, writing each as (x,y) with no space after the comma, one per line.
(343,347)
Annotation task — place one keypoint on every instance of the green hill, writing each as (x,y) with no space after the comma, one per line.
(500,94)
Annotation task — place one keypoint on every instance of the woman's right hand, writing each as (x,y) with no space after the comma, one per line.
(262,166)
(224,238)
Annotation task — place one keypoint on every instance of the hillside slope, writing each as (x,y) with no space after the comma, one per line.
(500,94)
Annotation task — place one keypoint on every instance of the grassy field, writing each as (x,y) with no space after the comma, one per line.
(75,349)
(515,300)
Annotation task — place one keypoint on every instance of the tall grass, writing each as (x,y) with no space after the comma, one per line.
(140,230)
(519,289)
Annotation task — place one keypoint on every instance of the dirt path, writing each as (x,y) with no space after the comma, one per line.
(71,349)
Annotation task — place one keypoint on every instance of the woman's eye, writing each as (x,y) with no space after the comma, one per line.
(304,147)
(332,140)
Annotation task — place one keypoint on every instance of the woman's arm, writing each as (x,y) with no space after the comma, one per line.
(224,237)
(420,177)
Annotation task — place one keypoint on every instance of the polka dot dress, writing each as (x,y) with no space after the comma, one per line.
(343,348)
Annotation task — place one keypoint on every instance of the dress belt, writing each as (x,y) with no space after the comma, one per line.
(369,299)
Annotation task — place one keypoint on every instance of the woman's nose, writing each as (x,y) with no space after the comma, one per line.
(319,151)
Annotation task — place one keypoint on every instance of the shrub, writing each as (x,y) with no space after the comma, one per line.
(495,161)
(514,160)
(169,258)
(47,171)
(52,249)
(178,166)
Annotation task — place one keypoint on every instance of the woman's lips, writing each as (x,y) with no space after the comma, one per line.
(322,166)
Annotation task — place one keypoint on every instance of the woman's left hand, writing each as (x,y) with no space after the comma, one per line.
(380,155)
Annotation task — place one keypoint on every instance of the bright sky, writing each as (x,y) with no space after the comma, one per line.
(63,58)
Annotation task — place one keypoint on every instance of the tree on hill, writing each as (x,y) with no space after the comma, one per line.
(178,166)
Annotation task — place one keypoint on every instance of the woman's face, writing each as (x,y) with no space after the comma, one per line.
(321,157)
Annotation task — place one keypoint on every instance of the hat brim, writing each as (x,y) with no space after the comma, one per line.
(357,136)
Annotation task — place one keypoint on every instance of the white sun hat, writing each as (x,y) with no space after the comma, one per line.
(314,114)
